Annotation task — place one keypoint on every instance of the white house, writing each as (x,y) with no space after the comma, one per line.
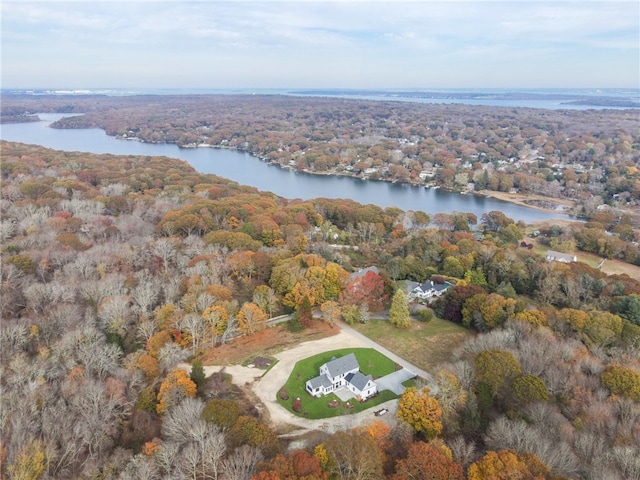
(561,257)
(343,372)
(429,289)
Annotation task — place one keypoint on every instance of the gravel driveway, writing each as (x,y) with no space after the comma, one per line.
(266,387)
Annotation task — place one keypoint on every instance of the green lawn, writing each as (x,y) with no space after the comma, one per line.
(423,344)
(371,363)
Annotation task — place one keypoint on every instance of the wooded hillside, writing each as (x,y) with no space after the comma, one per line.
(115,270)
(591,157)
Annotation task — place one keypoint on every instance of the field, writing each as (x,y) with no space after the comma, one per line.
(426,345)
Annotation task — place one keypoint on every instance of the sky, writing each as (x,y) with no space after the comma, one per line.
(330,44)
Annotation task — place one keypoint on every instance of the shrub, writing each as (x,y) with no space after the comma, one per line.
(24,263)
(527,389)
(424,315)
(223,413)
(294,325)
(622,381)
(284,395)
(297,405)
(147,400)
(350,314)
(12,249)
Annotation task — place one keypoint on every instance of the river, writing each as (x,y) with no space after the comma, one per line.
(246,169)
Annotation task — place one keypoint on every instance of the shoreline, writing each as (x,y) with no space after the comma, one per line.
(526,201)
(522,200)
(567,206)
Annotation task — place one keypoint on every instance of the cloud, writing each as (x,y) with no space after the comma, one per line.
(355,36)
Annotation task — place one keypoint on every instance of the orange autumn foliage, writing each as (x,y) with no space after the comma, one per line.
(508,465)
(176,386)
(427,461)
(151,448)
(421,411)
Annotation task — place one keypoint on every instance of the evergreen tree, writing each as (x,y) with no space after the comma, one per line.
(306,314)
(197,375)
(399,312)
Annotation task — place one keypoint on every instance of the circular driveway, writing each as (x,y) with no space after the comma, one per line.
(267,385)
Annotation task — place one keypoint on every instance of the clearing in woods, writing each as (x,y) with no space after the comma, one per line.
(267,342)
(424,344)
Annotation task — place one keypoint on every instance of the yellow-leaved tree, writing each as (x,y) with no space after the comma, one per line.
(216,317)
(176,386)
(30,462)
(507,465)
(251,318)
(421,411)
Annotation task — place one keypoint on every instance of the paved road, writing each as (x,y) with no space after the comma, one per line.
(426,376)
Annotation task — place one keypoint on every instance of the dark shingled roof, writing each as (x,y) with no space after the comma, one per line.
(342,365)
(358,380)
(321,381)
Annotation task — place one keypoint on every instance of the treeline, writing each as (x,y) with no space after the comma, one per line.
(590,156)
(116,270)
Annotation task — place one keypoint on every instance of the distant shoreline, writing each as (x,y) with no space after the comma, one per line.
(545,98)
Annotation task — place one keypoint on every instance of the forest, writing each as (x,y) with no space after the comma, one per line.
(588,158)
(116,271)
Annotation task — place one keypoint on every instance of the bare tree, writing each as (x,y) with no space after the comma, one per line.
(266,299)
(627,459)
(146,329)
(190,460)
(13,337)
(203,300)
(82,268)
(170,355)
(231,330)
(83,209)
(87,346)
(95,291)
(141,467)
(589,446)
(7,229)
(194,245)
(241,464)
(213,448)
(167,458)
(62,317)
(145,293)
(171,288)
(204,443)
(41,295)
(464,372)
(166,249)
(196,326)
(178,424)
(463,452)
